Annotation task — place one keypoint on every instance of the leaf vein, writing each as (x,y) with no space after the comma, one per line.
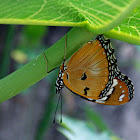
(42,6)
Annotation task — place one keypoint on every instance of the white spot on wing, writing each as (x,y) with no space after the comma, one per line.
(89,42)
(109,92)
(123,91)
(121,97)
(115,82)
(90,99)
(101,100)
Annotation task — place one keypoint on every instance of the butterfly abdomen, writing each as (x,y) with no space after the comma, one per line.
(59,82)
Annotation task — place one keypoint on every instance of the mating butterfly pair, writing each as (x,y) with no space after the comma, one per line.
(92,73)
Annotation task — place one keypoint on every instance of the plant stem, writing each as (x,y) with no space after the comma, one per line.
(35,70)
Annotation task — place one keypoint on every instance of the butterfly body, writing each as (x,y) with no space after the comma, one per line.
(92,73)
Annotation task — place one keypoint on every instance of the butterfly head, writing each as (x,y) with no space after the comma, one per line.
(59,82)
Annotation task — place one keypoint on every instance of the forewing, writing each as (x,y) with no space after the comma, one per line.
(92,73)
(87,71)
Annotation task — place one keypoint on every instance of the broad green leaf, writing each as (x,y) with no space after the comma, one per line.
(129,30)
(97,16)
(79,130)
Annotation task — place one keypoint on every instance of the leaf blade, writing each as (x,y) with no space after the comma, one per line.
(129,30)
(97,16)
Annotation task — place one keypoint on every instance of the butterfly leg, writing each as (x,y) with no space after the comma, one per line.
(47,63)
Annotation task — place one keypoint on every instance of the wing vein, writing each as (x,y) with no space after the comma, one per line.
(98,69)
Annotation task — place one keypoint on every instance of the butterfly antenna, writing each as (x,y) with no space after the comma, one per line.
(61,107)
(56,108)
(65,47)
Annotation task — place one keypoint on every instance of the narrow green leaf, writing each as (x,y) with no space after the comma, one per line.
(35,70)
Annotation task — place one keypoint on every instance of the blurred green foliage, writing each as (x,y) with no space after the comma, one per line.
(33,34)
(74,129)
(8,42)
(30,43)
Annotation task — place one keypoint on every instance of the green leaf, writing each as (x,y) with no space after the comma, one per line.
(97,16)
(129,30)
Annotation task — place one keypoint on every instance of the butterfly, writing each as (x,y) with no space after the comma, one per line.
(93,74)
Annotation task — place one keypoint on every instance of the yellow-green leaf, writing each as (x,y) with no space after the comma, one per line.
(98,16)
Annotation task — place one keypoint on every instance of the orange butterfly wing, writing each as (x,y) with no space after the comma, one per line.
(92,72)
(119,94)
(89,62)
